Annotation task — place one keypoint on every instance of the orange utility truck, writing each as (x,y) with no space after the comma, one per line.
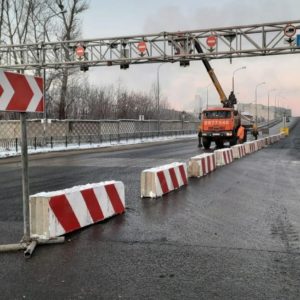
(219,124)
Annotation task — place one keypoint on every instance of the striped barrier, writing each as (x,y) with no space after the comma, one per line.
(55,213)
(161,180)
(238,151)
(224,156)
(250,147)
(261,143)
(255,145)
(267,140)
(274,138)
(201,165)
(284,132)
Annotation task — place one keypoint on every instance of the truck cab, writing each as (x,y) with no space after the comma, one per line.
(219,125)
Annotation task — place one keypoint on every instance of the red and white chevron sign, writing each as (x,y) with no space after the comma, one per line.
(21,93)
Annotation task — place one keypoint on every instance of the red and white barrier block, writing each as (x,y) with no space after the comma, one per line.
(201,165)
(238,151)
(267,140)
(161,180)
(261,143)
(55,213)
(223,156)
(271,139)
(250,147)
(274,138)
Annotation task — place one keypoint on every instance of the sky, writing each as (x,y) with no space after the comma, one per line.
(181,85)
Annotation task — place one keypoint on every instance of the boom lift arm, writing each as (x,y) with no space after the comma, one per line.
(226,102)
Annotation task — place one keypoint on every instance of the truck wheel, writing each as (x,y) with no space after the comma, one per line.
(220,144)
(206,142)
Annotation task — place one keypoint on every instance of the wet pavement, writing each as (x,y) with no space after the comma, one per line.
(233,234)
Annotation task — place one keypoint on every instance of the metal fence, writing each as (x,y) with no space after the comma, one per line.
(77,132)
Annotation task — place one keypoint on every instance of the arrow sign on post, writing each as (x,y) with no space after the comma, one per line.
(21,93)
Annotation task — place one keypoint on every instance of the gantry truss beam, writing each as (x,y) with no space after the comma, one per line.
(232,42)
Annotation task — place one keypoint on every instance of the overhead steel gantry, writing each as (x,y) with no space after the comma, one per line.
(231,42)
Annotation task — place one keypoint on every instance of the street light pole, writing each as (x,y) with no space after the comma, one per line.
(272,90)
(44,70)
(207,95)
(241,68)
(276,105)
(158,99)
(256,101)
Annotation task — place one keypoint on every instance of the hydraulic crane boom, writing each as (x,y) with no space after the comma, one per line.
(226,102)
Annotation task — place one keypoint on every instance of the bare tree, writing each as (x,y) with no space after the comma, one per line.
(2,3)
(70,31)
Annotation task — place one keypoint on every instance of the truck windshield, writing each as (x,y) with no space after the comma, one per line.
(217,114)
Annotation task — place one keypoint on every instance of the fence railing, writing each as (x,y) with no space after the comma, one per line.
(39,128)
(66,141)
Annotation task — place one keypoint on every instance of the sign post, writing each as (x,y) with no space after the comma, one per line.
(22,93)
(25,181)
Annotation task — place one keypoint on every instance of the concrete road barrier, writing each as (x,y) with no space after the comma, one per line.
(250,147)
(201,165)
(261,143)
(267,140)
(274,138)
(284,132)
(161,180)
(223,156)
(55,213)
(255,145)
(238,151)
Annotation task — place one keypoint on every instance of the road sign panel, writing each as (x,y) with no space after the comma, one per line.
(21,93)
(142,47)
(298,40)
(211,41)
(80,51)
(289,30)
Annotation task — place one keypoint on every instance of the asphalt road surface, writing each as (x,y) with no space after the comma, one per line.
(233,234)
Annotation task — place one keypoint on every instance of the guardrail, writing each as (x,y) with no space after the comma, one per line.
(266,125)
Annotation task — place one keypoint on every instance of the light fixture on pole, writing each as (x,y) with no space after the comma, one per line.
(238,69)
(256,100)
(269,92)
